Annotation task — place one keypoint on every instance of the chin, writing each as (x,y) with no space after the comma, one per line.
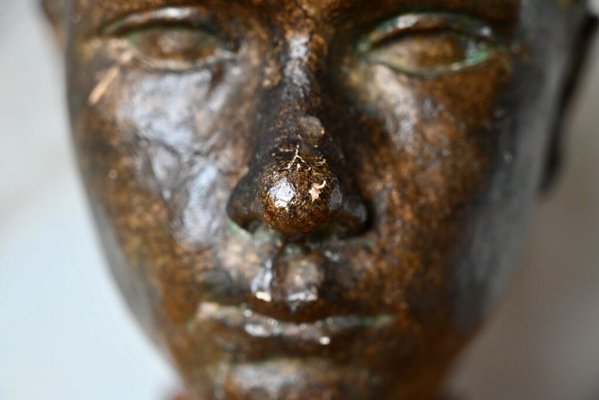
(309,378)
(294,379)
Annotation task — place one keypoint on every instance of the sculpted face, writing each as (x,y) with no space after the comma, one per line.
(314,199)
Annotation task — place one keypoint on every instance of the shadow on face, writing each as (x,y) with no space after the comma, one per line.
(308,199)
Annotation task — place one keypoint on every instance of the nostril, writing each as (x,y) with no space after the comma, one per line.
(253,226)
(322,233)
(242,207)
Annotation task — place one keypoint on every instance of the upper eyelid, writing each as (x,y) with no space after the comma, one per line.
(168,15)
(419,22)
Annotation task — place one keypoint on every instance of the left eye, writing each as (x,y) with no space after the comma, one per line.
(177,48)
(429,45)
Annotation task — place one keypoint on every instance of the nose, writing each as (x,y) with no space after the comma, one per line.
(296,183)
(298,180)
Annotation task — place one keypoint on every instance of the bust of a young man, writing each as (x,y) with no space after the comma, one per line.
(315,199)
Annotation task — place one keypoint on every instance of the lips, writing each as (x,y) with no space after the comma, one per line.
(242,334)
(321,332)
(276,297)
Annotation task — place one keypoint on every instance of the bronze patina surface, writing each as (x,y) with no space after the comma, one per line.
(315,199)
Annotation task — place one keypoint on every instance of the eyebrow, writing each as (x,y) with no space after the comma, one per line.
(97,13)
(494,11)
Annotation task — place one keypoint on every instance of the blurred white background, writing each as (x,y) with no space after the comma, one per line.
(65,334)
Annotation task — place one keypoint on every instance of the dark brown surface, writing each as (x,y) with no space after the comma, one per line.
(307,199)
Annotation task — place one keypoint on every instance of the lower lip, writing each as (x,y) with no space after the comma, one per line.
(322,332)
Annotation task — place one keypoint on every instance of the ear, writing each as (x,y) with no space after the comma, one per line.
(581,52)
(54,11)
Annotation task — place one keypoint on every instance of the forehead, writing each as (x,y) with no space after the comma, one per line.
(97,11)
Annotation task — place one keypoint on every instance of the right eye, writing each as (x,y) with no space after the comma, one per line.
(176,39)
(177,48)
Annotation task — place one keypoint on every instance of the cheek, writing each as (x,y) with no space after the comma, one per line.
(159,153)
(439,142)
(440,147)
(182,138)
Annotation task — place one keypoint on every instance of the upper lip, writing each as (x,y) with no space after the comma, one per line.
(320,332)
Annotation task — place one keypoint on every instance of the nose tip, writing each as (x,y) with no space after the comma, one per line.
(301,196)
(296,193)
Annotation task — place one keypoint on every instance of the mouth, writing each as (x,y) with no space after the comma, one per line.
(257,327)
